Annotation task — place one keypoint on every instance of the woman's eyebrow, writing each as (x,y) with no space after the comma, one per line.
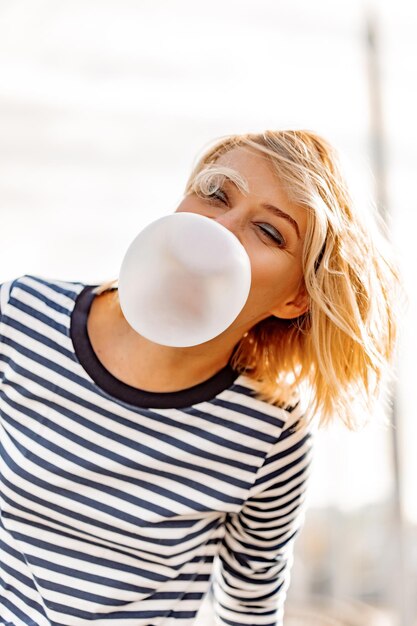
(280,213)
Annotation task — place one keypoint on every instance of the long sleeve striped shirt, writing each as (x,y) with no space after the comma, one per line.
(125,507)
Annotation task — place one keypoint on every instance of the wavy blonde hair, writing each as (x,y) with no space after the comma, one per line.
(343,348)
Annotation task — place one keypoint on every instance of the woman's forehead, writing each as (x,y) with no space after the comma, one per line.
(245,156)
(255,168)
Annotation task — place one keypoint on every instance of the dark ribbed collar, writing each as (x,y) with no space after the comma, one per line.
(103,378)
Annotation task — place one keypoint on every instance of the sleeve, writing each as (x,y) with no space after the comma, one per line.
(252,573)
(4,296)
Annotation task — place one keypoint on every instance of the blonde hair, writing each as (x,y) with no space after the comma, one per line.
(342,349)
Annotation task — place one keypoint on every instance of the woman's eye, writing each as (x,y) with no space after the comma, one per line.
(272,233)
(218,194)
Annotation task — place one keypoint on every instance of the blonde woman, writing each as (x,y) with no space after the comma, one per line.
(136,478)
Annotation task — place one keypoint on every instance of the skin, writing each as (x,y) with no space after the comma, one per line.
(276,287)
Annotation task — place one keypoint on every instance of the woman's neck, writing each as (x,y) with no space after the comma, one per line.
(146,365)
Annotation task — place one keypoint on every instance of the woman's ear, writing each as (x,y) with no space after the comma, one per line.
(293,308)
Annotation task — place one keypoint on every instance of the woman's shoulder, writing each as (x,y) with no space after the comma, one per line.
(246,395)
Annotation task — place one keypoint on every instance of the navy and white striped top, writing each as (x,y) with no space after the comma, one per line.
(123,507)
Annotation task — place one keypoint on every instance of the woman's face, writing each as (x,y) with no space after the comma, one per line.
(272,238)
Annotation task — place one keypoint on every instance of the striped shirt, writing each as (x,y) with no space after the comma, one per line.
(124,507)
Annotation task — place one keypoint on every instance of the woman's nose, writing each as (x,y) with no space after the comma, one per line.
(232,221)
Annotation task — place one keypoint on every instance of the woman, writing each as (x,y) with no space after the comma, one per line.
(138,477)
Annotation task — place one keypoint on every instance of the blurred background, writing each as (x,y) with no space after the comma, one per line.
(105,106)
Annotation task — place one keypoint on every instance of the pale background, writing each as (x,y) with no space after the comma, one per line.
(104,107)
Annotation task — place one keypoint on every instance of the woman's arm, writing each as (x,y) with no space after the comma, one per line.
(256,554)
(5,288)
